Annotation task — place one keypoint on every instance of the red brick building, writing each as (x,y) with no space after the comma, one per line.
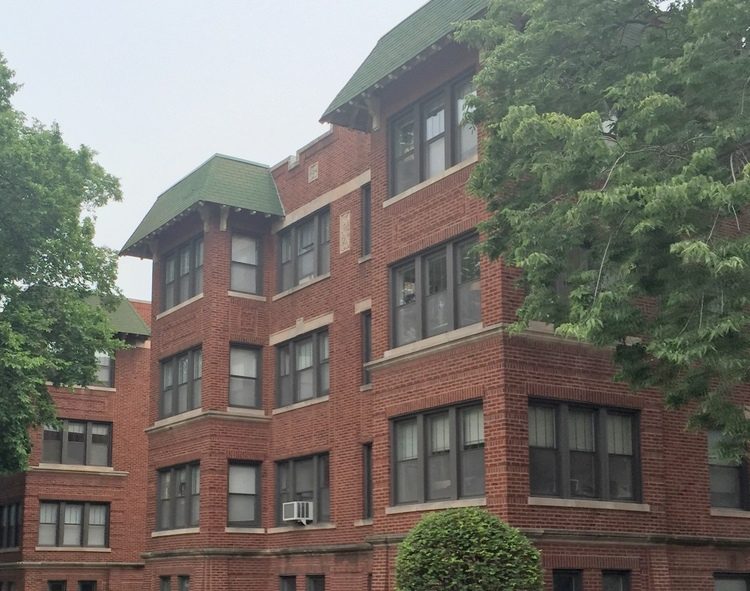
(327,362)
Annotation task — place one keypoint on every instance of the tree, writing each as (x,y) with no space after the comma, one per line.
(466,549)
(48,268)
(615,169)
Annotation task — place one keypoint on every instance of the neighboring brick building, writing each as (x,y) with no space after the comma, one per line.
(324,336)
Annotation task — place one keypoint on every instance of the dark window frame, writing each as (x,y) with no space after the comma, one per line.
(171,501)
(315,583)
(455,455)
(258,267)
(601,453)
(194,397)
(57,585)
(85,525)
(366,323)
(11,525)
(415,112)
(88,443)
(367,481)
(740,471)
(320,248)
(165,583)
(257,379)
(287,582)
(623,575)
(318,488)
(257,495)
(194,249)
(576,574)
(453,284)
(289,348)
(87,585)
(366,221)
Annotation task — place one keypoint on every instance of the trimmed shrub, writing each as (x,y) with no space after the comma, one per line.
(467,549)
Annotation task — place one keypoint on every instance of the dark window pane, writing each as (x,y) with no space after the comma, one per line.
(288,583)
(583,471)
(472,452)
(165,584)
(469,292)
(406,305)
(52,445)
(725,486)
(615,581)
(621,478)
(243,490)
(243,373)
(86,585)
(439,482)
(543,471)
(323,491)
(316,583)
(365,232)
(48,519)
(72,525)
(367,480)
(437,307)
(366,345)
(730,584)
(407,464)
(76,443)
(466,136)
(567,581)
(100,444)
(404,155)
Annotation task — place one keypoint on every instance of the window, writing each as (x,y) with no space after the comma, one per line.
(179,497)
(10,525)
(366,228)
(181,383)
(303,368)
(165,584)
(367,480)
(305,479)
(583,452)
(316,583)
(305,250)
(366,345)
(567,580)
(86,585)
(287,583)
(245,273)
(63,523)
(431,136)
(244,372)
(183,273)
(732,583)
(105,370)
(728,478)
(183,583)
(615,581)
(56,585)
(436,292)
(78,442)
(439,455)
(243,503)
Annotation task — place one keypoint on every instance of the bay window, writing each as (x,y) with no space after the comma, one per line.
(305,250)
(178,497)
(303,368)
(181,377)
(182,276)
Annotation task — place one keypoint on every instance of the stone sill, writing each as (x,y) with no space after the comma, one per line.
(303,404)
(231,414)
(303,285)
(362,522)
(176,419)
(175,532)
(244,530)
(10,550)
(364,259)
(436,505)
(430,181)
(179,306)
(365,387)
(586,504)
(290,528)
(246,296)
(71,549)
(76,469)
(726,512)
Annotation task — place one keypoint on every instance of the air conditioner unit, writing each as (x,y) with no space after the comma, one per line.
(299,511)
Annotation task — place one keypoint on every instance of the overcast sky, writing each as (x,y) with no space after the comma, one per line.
(158,86)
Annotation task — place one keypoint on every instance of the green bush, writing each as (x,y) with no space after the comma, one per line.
(466,550)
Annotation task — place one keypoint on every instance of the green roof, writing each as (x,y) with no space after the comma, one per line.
(428,25)
(221,179)
(125,320)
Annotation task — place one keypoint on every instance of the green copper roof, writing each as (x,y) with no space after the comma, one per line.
(221,179)
(407,40)
(125,320)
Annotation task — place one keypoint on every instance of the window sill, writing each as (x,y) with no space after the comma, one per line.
(71,549)
(10,550)
(362,522)
(424,184)
(179,306)
(197,414)
(75,468)
(364,259)
(177,419)
(726,512)
(365,387)
(437,342)
(244,530)
(246,296)
(303,404)
(586,504)
(242,411)
(175,532)
(303,285)
(290,528)
(436,505)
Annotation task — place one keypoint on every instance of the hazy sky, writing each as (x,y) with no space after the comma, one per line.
(158,86)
